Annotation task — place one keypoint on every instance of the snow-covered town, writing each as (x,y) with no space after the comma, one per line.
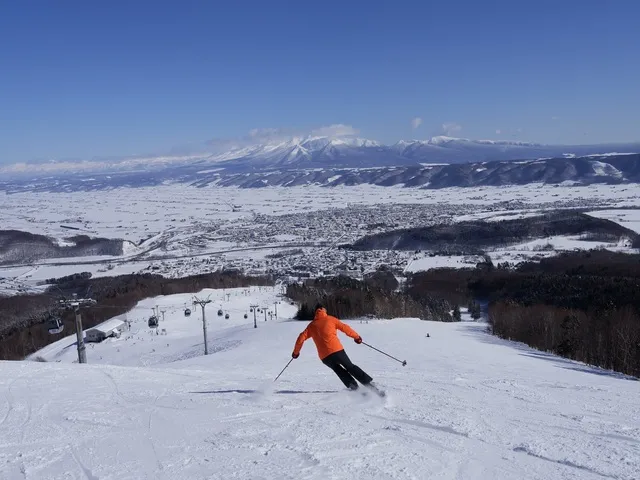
(290,233)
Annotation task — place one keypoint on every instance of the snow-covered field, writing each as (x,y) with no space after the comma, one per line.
(527,251)
(454,261)
(137,213)
(178,230)
(551,246)
(466,406)
(627,218)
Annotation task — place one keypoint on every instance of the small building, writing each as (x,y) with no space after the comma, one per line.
(110,328)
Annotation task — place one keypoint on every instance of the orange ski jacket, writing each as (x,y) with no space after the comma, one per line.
(324,332)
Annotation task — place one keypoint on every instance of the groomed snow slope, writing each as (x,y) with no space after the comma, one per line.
(467,406)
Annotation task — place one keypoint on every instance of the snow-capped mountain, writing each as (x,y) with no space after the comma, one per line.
(307,152)
(352,152)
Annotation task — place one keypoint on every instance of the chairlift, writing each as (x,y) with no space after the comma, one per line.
(153,321)
(55,325)
(187,312)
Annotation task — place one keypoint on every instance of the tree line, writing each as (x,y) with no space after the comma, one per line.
(581,305)
(346,297)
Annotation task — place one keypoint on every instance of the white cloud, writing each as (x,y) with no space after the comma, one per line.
(451,129)
(335,130)
(253,137)
(278,135)
(95,165)
(416,122)
(265,132)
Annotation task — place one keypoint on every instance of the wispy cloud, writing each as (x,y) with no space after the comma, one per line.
(451,129)
(335,130)
(98,164)
(498,132)
(276,135)
(416,122)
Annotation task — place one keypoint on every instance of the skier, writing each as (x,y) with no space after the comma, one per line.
(323,330)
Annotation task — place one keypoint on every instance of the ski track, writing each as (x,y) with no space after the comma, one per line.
(85,471)
(153,412)
(466,406)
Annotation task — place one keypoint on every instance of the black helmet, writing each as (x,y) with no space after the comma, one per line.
(318,307)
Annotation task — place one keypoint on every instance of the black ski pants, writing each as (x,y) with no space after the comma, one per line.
(348,372)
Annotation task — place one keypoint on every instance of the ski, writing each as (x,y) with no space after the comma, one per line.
(377,390)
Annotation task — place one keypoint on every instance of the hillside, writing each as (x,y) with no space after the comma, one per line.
(24,247)
(368,167)
(466,406)
(472,236)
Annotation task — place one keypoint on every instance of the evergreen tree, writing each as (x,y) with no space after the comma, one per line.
(474,310)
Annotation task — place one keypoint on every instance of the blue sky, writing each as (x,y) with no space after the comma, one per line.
(83,79)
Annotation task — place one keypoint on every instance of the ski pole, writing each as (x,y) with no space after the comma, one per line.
(403,362)
(284,369)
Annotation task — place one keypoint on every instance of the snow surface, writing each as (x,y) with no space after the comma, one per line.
(466,406)
(551,246)
(527,251)
(453,261)
(627,218)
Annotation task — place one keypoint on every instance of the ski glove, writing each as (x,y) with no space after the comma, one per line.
(295,355)
(358,340)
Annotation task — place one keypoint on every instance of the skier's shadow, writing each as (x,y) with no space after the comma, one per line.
(282,392)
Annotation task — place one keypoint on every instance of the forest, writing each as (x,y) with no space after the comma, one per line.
(346,297)
(581,305)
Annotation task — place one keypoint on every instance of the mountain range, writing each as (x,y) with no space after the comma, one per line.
(354,152)
(435,163)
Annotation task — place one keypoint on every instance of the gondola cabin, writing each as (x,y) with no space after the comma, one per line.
(153,321)
(55,325)
(187,312)
(220,312)
(226,316)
